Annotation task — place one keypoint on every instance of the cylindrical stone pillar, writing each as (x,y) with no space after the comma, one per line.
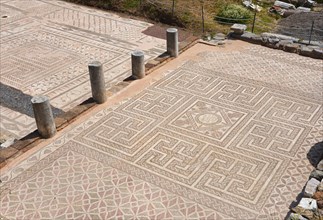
(44,116)
(138,64)
(172,42)
(97,82)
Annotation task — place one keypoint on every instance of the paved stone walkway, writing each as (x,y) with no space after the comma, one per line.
(206,141)
(46,46)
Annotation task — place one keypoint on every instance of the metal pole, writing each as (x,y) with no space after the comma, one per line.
(254,19)
(309,42)
(173,8)
(203,28)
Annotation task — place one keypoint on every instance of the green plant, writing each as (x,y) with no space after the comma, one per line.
(233,13)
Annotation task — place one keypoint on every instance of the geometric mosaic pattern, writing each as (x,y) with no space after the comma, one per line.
(15,124)
(274,66)
(46,47)
(198,143)
(78,187)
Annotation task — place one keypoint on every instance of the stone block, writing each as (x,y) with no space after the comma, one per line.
(279,36)
(272,43)
(317,174)
(317,54)
(264,40)
(291,48)
(311,187)
(282,43)
(256,39)
(219,37)
(250,37)
(305,51)
(307,203)
(238,28)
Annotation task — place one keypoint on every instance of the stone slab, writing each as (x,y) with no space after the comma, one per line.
(311,187)
(238,28)
(308,203)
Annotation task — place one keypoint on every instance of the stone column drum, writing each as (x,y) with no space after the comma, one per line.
(44,116)
(138,64)
(97,82)
(172,42)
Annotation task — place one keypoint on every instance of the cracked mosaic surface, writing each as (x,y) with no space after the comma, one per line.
(231,148)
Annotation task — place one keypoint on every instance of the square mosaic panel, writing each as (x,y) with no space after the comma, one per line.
(46,47)
(74,186)
(230,146)
(27,64)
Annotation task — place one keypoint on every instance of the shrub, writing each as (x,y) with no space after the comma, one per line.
(233,13)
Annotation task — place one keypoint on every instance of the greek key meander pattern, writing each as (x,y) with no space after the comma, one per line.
(47,45)
(226,145)
(258,63)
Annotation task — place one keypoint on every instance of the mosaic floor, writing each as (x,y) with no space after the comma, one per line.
(199,143)
(46,46)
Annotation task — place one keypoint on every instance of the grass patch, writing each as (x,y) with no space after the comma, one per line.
(188,13)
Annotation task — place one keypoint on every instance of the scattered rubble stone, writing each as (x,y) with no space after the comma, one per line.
(220,37)
(311,187)
(308,203)
(308,213)
(296,216)
(318,196)
(317,174)
(282,42)
(217,39)
(7,142)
